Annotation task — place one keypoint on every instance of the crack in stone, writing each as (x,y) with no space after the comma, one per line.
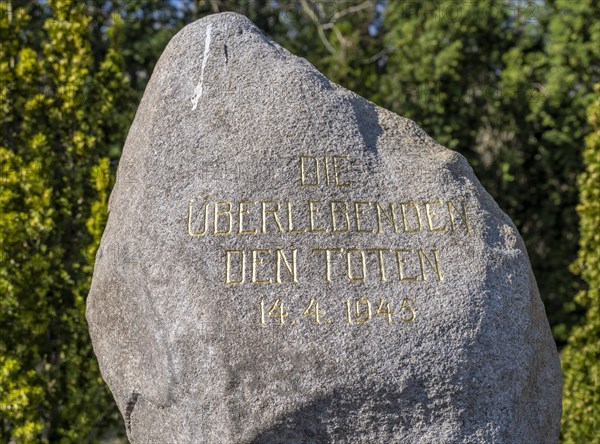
(133,399)
(198,90)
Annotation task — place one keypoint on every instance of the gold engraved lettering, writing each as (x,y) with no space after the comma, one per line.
(262,313)
(291,268)
(380,252)
(327,170)
(219,213)
(358,311)
(461,214)
(388,313)
(304,181)
(273,311)
(276,311)
(405,306)
(191,232)
(351,276)
(430,213)
(360,316)
(343,212)
(313,211)
(358,211)
(228,279)
(348,314)
(401,262)
(391,217)
(313,310)
(256,261)
(242,213)
(433,264)
(291,228)
(327,252)
(405,222)
(336,170)
(273,212)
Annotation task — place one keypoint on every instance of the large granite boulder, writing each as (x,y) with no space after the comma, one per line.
(285,262)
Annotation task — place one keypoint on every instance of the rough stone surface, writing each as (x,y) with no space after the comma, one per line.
(231,117)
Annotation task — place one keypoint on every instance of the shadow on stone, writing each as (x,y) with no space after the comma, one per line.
(345,415)
(368,122)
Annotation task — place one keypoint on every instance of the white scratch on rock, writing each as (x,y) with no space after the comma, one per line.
(198,90)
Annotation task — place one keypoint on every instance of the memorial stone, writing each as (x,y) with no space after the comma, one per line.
(286,262)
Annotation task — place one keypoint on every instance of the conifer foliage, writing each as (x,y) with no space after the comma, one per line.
(62,115)
(581,357)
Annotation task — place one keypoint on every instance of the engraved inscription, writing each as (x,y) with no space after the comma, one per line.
(325,220)
(261,266)
(325,170)
(392,264)
(266,217)
(359,311)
